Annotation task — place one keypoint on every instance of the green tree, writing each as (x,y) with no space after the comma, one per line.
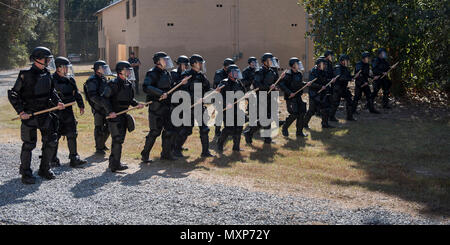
(415,32)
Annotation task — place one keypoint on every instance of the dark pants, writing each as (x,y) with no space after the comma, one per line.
(235,131)
(160,123)
(318,104)
(297,109)
(384,84)
(136,83)
(101,131)
(339,93)
(358,95)
(47,124)
(67,127)
(118,129)
(186,131)
(251,130)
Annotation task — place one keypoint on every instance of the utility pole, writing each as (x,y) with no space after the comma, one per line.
(61,32)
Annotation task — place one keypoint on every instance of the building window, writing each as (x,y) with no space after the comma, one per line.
(128,10)
(134,8)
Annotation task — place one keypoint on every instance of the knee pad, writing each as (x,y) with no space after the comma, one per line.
(155,132)
(28,146)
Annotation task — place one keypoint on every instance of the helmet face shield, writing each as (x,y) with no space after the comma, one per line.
(129,73)
(256,64)
(383,55)
(169,62)
(68,71)
(236,74)
(204,67)
(300,66)
(275,63)
(105,70)
(50,63)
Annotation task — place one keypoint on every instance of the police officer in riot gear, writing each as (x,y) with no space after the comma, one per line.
(290,84)
(157,83)
(196,74)
(329,57)
(34,91)
(319,93)
(265,79)
(183,65)
(219,76)
(248,73)
(340,88)
(119,96)
(380,67)
(362,83)
(93,89)
(66,87)
(231,84)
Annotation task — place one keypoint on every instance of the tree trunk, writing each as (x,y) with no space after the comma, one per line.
(62,38)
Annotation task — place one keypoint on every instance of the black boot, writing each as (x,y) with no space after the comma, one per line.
(218,131)
(237,142)
(371,107)
(76,162)
(145,154)
(248,138)
(117,167)
(221,142)
(28,179)
(205,145)
(287,124)
(46,174)
(55,163)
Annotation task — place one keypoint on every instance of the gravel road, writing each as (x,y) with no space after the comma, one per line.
(156,195)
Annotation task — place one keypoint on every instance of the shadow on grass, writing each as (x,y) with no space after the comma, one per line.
(403,158)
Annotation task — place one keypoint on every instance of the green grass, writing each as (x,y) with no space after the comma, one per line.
(405,159)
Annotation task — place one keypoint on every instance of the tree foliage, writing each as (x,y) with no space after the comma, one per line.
(26,24)
(415,32)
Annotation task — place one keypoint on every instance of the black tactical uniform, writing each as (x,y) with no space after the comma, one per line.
(118,96)
(67,90)
(33,92)
(219,76)
(197,78)
(93,89)
(319,102)
(363,79)
(264,79)
(380,66)
(340,90)
(156,83)
(249,75)
(329,67)
(291,83)
(176,78)
(236,130)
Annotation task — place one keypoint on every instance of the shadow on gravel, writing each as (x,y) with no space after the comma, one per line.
(13,191)
(164,169)
(89,187)
(95,159)
(407,158)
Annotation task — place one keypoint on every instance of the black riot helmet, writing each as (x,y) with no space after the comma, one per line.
(266,56)
(40,53)
(383,52)
(62,61)
(293,60)
(227,62)
(98,64)
(122,65)
(234,71)
(183,60)
(365,54)
(252,59)
(196,58)
(328,53)
(162,55)
(158,56)
(125,65)
(321,59)
(343,57)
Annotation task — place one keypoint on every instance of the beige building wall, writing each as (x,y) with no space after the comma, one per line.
(239,28)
